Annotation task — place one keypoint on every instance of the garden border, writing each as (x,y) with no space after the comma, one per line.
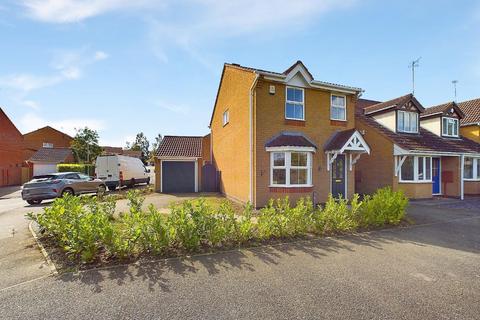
(50,263)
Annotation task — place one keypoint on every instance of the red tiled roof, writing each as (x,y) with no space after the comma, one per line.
(180,146)
(53,155)
(394,103)
(441,109)
(471,109)
(338,140)
(290,139)
(363,103)
(424,141)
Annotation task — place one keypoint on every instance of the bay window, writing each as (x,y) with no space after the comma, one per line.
(294,105)
(291,168)
(471,169)
(450,127)
(338,108)
(407,122)
(416,169)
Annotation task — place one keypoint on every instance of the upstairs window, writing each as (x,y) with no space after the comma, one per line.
(407,122)
(416,169)
(47,145)
(338,108)
(294,105)
(450,127)
(226,117)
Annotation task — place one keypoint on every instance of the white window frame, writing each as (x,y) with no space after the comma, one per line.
(416,172)
(445,128)
(344,106)
(226,117)
(475,171)
(47,145)
(409,113)
(295,103)
(288,166)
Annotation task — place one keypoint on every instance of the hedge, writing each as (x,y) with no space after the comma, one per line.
(76,167)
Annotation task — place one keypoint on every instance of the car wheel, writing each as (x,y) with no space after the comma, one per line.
(67,191)
(32,202)
(101,191)
(112,188)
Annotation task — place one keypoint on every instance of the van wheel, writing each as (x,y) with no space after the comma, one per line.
(112,188)
(132,183)
(148,181)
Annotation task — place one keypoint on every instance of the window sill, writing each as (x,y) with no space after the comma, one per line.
(342,123)
(415,182)
(298,123)
(472,180)
(291,189)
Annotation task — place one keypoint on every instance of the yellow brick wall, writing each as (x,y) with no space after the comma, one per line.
(471,132)
(270,121)
(231,143)
(414,190)
(376,170)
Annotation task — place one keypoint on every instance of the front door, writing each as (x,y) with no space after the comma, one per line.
(436,176)
(338,177)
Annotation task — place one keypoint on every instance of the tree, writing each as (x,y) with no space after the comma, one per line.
(158,140)
(85,145)
(141,144)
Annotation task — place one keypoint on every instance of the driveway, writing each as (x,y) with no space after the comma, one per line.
(426,271)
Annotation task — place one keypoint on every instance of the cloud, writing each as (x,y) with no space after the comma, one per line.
(31,104)
(175,108)
(65,65)
(32,121)
(68,11)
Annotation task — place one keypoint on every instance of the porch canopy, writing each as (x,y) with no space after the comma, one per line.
(348,142)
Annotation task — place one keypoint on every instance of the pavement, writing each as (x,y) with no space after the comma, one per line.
(426,271)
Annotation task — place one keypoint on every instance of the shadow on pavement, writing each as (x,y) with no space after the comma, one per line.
(435,227)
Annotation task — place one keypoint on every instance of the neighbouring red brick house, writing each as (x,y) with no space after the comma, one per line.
(11,152)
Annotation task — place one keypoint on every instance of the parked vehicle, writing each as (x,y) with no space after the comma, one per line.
(118,171)
(56,185)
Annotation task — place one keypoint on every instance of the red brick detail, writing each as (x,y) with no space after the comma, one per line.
(338,123)
(298,123)
(291,190)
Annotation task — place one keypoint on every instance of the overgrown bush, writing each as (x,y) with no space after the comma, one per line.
(85,227)
(88,169)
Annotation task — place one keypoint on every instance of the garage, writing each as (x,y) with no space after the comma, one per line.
(40,169)
(178,176)
(178,163)
(45,160)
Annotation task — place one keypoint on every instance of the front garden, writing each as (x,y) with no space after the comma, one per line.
(86,231)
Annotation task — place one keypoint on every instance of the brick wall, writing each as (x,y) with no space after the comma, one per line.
(11,152)
(34,140)
(270,121)
(231,143)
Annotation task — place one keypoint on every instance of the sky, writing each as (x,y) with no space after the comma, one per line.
(153,66)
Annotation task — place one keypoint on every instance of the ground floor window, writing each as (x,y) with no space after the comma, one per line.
(291,168)
(471,169)
(416,169)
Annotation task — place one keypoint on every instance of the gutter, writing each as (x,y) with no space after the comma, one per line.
(252,88)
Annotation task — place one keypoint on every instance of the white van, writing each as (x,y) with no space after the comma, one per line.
(118,171)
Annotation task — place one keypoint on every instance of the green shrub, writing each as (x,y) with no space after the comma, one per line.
(337,216)
(384,207)
(85,227)
(88,169)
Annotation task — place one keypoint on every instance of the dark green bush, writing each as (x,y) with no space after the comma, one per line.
(88,169)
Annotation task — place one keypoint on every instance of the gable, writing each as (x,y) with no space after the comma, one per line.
(8,131)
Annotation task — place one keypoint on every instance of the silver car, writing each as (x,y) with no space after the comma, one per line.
(56,185)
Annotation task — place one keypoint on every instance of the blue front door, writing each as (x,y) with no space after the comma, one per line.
(436,175)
